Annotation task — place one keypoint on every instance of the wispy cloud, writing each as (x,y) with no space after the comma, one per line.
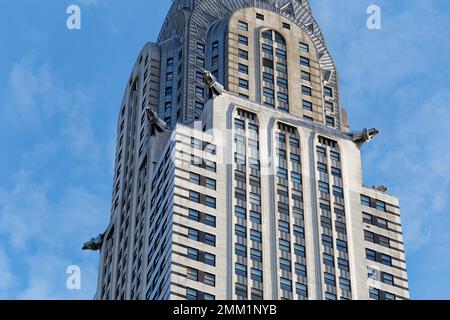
(45,215)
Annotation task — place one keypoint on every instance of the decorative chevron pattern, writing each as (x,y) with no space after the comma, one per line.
(201,15)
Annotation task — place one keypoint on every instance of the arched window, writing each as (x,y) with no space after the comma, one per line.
(274,78)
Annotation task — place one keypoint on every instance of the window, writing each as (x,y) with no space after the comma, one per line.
(341,245)
(299,231)
(330,121)
(306,91)
(191,294)
(194,196)
(243,84)
(256,255)
(243,68)
(372,274)
(365,200)
(192,274)
(374,293)
(336,172)
(200,62)
(330,296)
(380,205)
(168,91)
(243,40)
(305,61)
(215,45)
(210,183)
(193,254)
(282,83)
(240,231)
(299,250)
(240,250)
(169,76)
(285,246)
(301,289)
(384,241)
(259,16)
(195,178)
(327,241)
(286,25)
(345,284)
(300,269)
(280,53)
(285,265)
(170,62)
(210,279)
(386,260)
(330,279)
(200,47)
(306,76)
(304,47)
(329,106)
(243,54)
(209,259)
(294,142)
(382,223)
(243,25)
(199,106)
(387,278)
(321,152)
(193,234)
(343,265)
(240,212)
(286,284)
(282,173)
(328,260)
(269,93)
(199,76)
(335,156)
(210,239)
(199,92)
(194,215)
(307,105)
(256,275)
(324,187)
(267,77)
(255,236)
(255,199)
(338,192)
(283,226)
(255,217)
(241,270)
(210,202)
(371,255)
(328,92)
(257,294)
(295,158)
(322,167)
(241,290)
(389,296)
(210,220)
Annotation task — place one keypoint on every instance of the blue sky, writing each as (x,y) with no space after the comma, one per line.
(60,93)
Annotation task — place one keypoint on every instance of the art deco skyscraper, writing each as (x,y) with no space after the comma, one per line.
(248,187)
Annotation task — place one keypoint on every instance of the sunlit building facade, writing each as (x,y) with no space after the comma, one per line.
(253,192)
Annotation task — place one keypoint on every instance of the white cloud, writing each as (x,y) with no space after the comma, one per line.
(45,217)
(45,235)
